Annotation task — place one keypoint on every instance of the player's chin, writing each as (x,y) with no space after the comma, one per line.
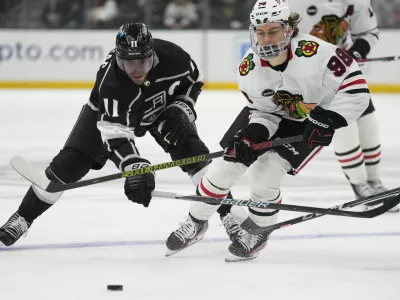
(138,79)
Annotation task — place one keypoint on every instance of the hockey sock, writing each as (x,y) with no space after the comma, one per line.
(349,154)
(32,207)
(225,209)
(264,217)
(370,143)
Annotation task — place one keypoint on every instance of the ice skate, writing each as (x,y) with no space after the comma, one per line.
(15,227)
(247,246)
(190,232)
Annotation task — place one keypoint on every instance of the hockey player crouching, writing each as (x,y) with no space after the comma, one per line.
(293,84)
(144,85)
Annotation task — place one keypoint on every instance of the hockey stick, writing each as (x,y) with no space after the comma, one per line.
(26,170)
(377,59)
(253,228)
(336,211)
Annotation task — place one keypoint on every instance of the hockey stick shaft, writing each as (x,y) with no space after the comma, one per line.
(27,171)
(335,211)
(252,228)
(377,60)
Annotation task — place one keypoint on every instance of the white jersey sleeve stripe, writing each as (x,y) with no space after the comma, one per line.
(354,82)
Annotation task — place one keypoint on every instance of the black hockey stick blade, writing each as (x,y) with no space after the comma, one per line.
(391,199)
(31,174)
(335,211)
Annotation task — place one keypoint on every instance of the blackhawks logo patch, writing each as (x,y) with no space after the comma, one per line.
(246,65)
(307,48)
(293,104)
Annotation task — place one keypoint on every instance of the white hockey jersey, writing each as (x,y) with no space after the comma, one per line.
(358,14)
(318,73)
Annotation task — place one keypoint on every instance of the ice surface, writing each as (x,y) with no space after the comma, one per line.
(93,236)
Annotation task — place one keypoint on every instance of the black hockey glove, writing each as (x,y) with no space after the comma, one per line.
(320,126)
(359,49)
(175,123)
(239,148)
(138,188)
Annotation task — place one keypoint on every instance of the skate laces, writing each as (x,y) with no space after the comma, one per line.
(259,237)
(230,224)
(187,229)
(16,226)
(245,239)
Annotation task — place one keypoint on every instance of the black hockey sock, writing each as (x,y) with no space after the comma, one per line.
(32,207)
(225,209)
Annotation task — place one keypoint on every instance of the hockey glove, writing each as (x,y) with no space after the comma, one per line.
(138,188)
(239,148)
(320,126)
(359,49)
(176,121)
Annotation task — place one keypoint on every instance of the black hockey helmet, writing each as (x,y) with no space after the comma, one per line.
(134,41)
(134,50)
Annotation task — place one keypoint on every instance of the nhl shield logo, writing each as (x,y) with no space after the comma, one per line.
(312,10)
(267,93)
(246,65)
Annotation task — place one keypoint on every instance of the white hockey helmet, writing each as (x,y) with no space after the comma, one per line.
(264,12)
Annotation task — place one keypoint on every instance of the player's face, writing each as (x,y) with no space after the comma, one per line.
(138,69)
(269,34)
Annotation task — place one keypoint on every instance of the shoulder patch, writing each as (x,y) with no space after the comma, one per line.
(246,65)
(307,48)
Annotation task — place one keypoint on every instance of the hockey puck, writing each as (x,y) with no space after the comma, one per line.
(115,287)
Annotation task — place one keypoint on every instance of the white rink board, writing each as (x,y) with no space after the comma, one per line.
(76,55)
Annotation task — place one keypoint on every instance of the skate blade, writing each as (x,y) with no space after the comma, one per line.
(172,252)
(233,258)
(194,241)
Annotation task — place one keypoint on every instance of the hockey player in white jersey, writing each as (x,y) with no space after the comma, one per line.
(352,26)
(293,84)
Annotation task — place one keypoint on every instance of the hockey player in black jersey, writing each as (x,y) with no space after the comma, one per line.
(145,85)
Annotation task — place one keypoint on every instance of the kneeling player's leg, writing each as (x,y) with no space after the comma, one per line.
(68,166)
(83,151)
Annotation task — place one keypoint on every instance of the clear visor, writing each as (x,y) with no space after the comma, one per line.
(137,67)
(263,47)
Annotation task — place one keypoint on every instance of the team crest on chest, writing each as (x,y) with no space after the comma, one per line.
(293,104)
(307,48)
(246,65)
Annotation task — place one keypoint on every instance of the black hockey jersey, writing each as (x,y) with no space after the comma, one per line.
(124,106)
